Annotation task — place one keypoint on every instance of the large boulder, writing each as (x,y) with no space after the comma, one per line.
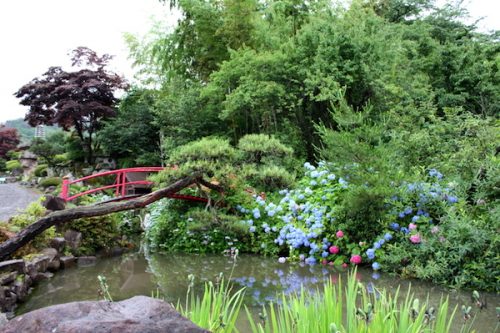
(135,315)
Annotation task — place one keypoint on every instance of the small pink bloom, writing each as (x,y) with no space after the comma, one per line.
(331,263)
(340,234)
(415,239)
(324,262)
(412,226)
(344,265)
(334,249)
(355,259)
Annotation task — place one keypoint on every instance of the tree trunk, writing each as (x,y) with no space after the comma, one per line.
(8,247)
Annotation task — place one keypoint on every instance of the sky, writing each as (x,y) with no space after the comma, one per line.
(36,34)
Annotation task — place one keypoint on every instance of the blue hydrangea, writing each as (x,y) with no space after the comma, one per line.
(377,245)
(376,266)
(405,230)
(415,218)
(256,213)
(324,254)
(387,236)
(394,226)
(370,253)
(310,260)
(252,229)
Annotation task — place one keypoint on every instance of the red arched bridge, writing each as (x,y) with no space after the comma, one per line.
(128,183)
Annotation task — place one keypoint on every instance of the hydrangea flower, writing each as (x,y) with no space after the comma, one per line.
(415,239)
(334,249)
(252,229)
(340,234)
(376,266)
(256,213)
(370,253)
(394,226)
(387,236)
(282,260)
(405,230)
(412,226)
(355,259)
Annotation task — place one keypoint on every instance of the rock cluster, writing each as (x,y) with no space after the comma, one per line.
(17,276)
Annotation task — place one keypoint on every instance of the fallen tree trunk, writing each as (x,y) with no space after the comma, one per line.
(8,247)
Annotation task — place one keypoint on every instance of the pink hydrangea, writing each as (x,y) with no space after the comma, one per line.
(340,234)
(344,265)
(324,262)
(412,226)
(415,239)
(355,259)
(334,249)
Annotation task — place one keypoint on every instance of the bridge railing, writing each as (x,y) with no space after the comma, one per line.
(120,184)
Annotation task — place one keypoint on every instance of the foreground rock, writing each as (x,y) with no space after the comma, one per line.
(135,315)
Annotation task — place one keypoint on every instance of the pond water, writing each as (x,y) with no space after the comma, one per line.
(166,274)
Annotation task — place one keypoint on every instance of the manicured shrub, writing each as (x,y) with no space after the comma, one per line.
(13,165)
(50,181)
(40,170)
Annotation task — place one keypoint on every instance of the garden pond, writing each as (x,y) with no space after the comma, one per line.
(166,275)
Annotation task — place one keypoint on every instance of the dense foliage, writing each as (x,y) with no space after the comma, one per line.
(399,99)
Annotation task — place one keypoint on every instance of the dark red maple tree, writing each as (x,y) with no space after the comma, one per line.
(77,100)
(9,139)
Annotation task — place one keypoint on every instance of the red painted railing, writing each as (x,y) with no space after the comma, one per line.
(120,185)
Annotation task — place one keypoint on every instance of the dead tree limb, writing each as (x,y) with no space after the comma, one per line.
(8,247)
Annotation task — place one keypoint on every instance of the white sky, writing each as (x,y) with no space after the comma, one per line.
(37,34)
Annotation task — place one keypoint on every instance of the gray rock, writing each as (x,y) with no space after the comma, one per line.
(38,265)
(6,278)
(12,265)
(51,253)
(137,314)
(42,276)
(73,238)
(58,243)
(54,265)
(21,287)
(3,320)
(86,261)
(67,261)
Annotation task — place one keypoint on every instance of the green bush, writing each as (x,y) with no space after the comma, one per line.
(41,170)
(97,233)
(50,181)
(13,165)
(31,214)
(3,165)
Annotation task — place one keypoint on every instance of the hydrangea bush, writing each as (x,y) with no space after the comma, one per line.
(303,224)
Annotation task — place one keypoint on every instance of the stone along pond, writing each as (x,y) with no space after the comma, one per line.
(166,274)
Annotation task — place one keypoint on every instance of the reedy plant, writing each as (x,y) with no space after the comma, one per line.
(217,309)
(363,312)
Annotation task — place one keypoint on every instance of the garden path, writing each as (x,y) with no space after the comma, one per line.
(14,197)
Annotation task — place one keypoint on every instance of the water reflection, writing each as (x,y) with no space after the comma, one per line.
(264,278)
